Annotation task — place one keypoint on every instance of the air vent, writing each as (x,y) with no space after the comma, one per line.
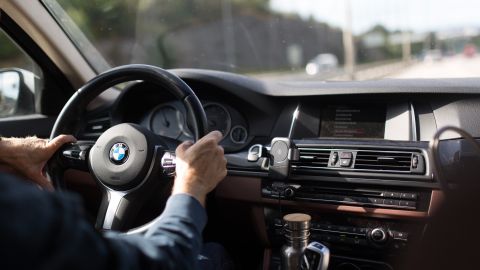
(384,161)
(311,158)
(392,161)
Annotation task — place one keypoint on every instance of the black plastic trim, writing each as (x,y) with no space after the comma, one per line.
(335,88)
(234,172)
(366,181)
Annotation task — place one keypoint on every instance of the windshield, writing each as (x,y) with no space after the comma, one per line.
(280,39)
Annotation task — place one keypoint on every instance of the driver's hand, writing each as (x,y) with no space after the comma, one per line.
(200,166)
(28,156)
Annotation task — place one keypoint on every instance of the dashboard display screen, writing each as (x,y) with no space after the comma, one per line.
(353,121)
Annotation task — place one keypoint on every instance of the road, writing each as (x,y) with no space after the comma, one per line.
(449,67)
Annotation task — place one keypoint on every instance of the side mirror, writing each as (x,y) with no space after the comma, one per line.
(17,95)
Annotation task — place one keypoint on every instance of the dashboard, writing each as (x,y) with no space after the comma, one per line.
(170,120)
(353,155)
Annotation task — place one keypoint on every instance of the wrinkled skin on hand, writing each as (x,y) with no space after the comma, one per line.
(28,156)
(200,166)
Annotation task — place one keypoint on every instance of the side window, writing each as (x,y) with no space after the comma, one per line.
(20,79)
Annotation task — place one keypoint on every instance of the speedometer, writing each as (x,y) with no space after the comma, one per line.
(218,118)
(167,121)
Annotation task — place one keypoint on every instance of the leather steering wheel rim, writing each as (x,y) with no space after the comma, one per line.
(73,110)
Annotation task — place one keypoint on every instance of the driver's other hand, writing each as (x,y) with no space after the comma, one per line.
(28,156)
(200,166)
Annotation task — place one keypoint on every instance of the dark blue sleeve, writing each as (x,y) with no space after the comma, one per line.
(43,230)
(173,242)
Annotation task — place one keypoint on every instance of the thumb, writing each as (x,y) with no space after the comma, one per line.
(60,140)
(183,147)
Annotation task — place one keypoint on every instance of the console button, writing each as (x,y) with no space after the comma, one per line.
(409,196)
(390,194)
(329,227)
(400,235)
(345,162)
(289,192)
(392,202)
(360,242)
(346,155)
(408,204)
(389,202)
(362,230)
(376,200)
(378,236)
(353,229)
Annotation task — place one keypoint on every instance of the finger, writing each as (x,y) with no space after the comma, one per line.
(60,140)
(214,135)
(220,150)
(183,147)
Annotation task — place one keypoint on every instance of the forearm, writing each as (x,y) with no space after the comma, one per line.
(9,157)
(7,153)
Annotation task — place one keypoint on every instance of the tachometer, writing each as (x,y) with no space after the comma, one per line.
(218,118)
(167,121)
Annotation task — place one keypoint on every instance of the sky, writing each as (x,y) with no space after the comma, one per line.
(416,15)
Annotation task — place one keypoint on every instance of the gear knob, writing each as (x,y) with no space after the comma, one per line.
(316,256)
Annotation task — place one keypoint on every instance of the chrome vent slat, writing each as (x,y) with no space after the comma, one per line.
(383,161)
(312,158)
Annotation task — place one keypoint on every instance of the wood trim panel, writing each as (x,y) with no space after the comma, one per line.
(267,256)
(435,202)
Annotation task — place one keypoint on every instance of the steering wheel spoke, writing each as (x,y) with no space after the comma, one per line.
(112,202)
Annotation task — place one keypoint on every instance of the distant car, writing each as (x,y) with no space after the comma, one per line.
(433,56)
(469,50)
(322,62)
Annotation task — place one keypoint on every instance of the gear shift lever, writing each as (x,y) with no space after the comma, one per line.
(315,257)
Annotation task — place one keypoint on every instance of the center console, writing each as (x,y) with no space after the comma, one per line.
(360,173)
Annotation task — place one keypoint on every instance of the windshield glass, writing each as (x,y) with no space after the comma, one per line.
(280,39)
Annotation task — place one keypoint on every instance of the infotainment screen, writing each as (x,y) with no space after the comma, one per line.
(353,121)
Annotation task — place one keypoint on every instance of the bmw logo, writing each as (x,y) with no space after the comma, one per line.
(119,153)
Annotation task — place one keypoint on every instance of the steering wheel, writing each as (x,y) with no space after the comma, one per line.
(128,161)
